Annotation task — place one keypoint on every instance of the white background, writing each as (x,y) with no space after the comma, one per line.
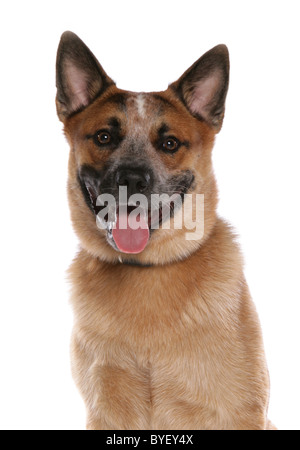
(144,45)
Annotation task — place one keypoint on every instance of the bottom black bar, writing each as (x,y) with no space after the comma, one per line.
(143,439)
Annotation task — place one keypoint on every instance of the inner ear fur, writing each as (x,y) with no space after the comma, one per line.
(79,76)
(203,87)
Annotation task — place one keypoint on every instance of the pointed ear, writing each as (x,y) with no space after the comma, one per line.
(79,76)
(203,87)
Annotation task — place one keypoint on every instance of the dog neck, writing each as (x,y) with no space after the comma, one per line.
(133,263)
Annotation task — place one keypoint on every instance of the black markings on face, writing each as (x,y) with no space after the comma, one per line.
(168,142)
(89,180)
(166,103)
(110,137)
(117,100)
(94,182)
(180,183)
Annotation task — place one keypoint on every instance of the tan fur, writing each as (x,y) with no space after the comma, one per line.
(176,345)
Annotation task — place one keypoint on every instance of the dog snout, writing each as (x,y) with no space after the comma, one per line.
(137,181)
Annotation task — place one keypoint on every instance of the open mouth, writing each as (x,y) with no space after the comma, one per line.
(129,223)
(129,227)
(132,226)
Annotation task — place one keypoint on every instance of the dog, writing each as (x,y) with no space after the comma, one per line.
(166,335)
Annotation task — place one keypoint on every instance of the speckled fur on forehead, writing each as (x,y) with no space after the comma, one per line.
(142,111)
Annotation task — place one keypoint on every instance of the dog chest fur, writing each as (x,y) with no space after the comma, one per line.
(144,334)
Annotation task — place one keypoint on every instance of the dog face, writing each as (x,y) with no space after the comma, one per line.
(139,146)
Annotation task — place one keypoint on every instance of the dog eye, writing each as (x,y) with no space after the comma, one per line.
(170,144)
(103,137)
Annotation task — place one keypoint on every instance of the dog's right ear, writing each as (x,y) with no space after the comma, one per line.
(79,76)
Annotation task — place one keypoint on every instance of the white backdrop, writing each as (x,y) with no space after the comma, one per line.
(144,46)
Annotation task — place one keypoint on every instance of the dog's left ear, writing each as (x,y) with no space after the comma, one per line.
(203,87)
(79,76)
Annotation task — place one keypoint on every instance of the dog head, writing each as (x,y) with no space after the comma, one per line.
(151,150)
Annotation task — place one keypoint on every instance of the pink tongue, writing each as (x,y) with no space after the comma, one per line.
(130,240)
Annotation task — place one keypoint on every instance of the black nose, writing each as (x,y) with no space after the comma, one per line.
(137,181)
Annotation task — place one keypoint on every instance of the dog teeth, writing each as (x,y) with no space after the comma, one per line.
(107,225)
(104,225)
(110,226)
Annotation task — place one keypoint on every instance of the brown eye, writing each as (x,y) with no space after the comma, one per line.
(103,137)
(170,144)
